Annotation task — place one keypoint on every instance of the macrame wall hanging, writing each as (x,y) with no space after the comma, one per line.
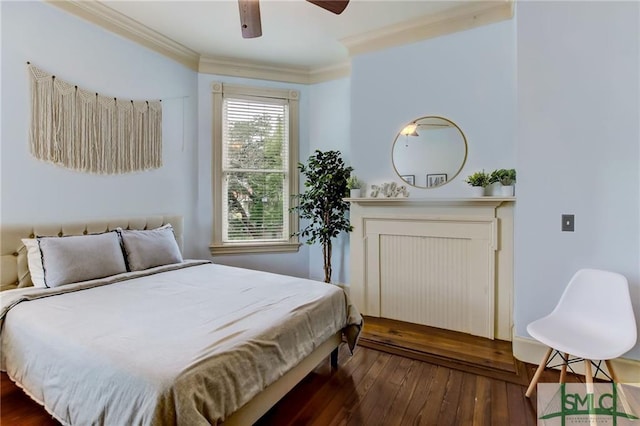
(85,131)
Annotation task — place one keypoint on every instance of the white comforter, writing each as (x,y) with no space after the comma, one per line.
(186,346)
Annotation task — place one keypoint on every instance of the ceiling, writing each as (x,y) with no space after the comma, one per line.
(296,34)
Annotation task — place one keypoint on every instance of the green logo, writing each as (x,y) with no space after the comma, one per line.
(570,403)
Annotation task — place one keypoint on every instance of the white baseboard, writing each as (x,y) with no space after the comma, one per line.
(532,351)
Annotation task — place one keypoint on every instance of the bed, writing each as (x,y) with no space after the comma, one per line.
(187,342)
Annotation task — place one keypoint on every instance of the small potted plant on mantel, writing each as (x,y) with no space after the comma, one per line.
(478,182)
(506,177)
(355,186)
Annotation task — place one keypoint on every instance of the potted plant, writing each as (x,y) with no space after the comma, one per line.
(478,182)
(506,177)
(322,203)
(355,186)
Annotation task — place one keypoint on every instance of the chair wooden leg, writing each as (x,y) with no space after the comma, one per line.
(588,375)
(536,376)
(612,373)
(588,378)
(620,389)
(563,371)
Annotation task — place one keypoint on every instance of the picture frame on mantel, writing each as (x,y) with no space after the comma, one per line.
(436,179)
(410,179)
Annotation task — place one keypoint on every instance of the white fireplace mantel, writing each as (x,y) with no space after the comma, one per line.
(442,262)
(465,201)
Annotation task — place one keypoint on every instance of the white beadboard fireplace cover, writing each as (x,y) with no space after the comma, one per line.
(445,263)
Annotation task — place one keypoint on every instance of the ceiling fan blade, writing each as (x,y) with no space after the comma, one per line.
(250,18)
(334,6)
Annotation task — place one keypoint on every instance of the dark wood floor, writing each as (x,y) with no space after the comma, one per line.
(374,387)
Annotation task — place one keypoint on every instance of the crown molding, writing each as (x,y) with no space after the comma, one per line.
(330,72)
(271,71)
(466,16)
(252,69)
(114,21)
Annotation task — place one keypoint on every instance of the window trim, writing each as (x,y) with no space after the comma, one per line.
(217,247)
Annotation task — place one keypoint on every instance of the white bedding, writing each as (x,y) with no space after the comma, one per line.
(186,346)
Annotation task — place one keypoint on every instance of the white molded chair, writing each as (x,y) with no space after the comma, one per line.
(593,320)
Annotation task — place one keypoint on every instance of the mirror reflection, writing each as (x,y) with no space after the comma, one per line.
(429,152)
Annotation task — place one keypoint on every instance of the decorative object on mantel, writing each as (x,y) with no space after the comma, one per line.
(436,179)
(323,203)
(355,186)
(506,177)
(389,190)
(410,179)
(82,130)
(478,182)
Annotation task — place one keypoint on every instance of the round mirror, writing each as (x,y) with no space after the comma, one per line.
(429,152)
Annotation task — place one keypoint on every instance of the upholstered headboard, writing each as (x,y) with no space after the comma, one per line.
(13,254)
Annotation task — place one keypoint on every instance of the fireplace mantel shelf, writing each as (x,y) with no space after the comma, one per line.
(408,201)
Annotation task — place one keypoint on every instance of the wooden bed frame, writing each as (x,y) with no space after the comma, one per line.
(13,264)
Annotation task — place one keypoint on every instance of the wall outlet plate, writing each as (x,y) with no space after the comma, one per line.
(568,222)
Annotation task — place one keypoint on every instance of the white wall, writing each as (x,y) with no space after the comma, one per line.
(329,127)
(467,77)
(92,58)
(578,149)
(295,264)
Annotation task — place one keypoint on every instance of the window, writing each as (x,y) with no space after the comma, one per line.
(255,157)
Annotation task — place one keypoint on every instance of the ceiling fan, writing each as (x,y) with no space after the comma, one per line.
(250,14)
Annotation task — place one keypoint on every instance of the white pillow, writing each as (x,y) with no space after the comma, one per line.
(34,260)
(80,258)
(149,248)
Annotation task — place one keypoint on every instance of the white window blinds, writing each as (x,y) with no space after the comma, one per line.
(255,169)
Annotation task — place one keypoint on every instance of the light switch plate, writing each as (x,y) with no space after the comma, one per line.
(568,222)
